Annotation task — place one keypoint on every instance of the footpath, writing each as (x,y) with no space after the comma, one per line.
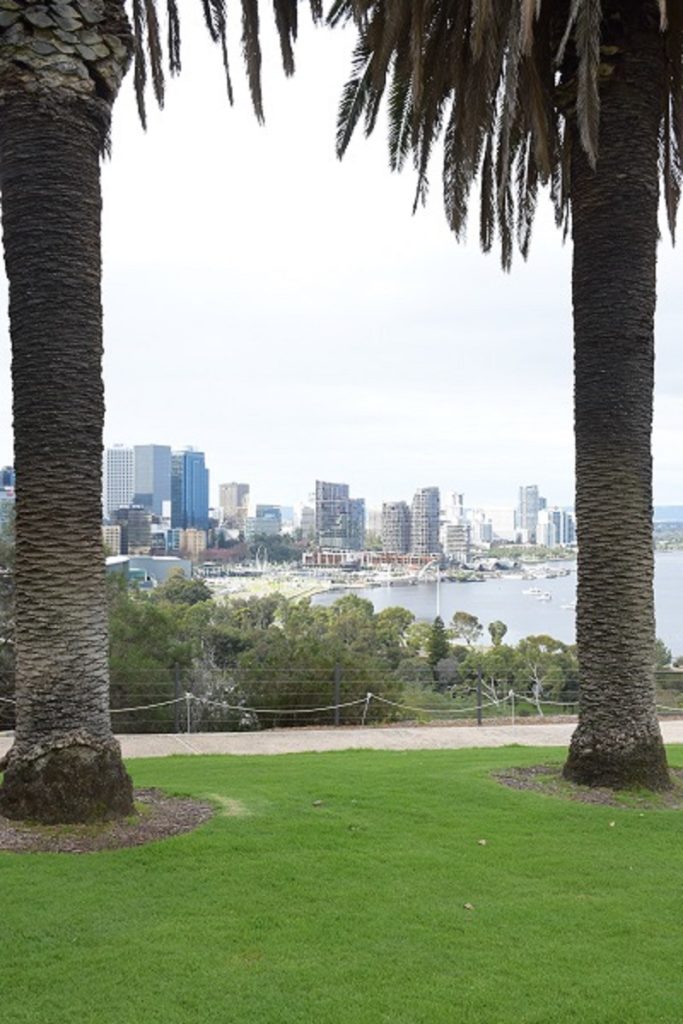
(294,741)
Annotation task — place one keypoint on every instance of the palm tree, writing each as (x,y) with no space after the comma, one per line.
(586,97)
(61,65)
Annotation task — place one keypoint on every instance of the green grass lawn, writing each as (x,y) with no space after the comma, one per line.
(353,911)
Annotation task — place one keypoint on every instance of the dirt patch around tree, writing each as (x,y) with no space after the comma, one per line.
(547,779)
(158,817)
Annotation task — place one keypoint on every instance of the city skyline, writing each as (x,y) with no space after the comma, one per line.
(303,325)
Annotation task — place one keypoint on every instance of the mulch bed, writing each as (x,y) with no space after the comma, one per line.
(159,816)
(547,779)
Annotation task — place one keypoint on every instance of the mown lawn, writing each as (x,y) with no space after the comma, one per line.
(353,911)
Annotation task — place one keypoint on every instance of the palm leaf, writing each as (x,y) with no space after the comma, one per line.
(148,52)
(502,81)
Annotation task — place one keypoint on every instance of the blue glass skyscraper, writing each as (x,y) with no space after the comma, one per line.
(189,491)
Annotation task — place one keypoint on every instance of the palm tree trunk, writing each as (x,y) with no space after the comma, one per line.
(65,764)
(618,741)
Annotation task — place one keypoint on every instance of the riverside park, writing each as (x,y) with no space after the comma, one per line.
(357,885)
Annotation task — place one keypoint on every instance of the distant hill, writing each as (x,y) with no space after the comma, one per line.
(668,514)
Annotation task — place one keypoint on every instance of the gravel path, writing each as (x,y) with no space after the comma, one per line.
(289,741)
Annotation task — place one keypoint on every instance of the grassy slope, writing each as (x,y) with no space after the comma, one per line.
(353,911)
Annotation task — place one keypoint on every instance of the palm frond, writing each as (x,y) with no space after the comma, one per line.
(354,97)
(481,13)
(251,51)
(400,112)
(155,51)
(286,22)
(502,81)
(148,49)
(173,37)
(139,58)
(487,206)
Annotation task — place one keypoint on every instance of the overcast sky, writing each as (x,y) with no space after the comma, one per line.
(285,313)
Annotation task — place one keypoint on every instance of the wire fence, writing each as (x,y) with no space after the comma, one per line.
(219,703)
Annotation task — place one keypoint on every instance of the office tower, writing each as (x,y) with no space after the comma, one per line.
(7,477)
(307,522)
(356,535)
(111,539)
(189,490)
(287,518)
(332,515)
(135,523)
(454,508)
(233,500)
(424,524)
(527,512)
(456,543)
(152,476)
(266,523)
(564,526)
(192,543)
(119,478)
(396,527)
(339,519)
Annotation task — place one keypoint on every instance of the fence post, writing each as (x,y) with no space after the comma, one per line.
(178,695)
(478,696)
(337,694)
(511,695)
(368,698)
(188,711)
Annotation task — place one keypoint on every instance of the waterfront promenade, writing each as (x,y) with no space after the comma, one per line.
(292,741)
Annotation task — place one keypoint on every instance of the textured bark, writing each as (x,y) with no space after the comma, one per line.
(614,208)
(65,764)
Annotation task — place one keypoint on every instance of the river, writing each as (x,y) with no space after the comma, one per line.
(523,614)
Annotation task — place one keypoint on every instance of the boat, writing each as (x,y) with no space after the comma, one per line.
(533,591)
(544,595)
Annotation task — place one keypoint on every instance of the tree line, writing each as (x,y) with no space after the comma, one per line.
(289,657)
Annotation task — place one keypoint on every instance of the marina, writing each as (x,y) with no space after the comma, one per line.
(547,606)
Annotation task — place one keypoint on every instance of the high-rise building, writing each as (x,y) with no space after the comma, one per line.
(306,521)
(528,508)
(454,508)
(189,490)
(152,476)
(135,524)
(356,524)
(266,523)
(339,519)
(233,500)
(556,527)
(111,539)
(455,539)
(7,476)
(119,478)
(192,543)
(396,527)
(424,531)
(332,515)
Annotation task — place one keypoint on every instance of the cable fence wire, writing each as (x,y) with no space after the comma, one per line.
(210,700)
